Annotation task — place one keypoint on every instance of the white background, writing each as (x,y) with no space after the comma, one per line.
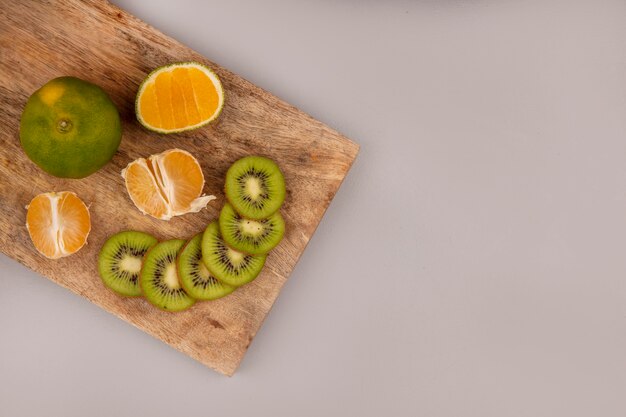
(472,264)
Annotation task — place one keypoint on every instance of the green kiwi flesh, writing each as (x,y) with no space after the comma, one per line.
(194,275)
(120,261)
(226,264)
(159,278)
(255,187)
(255,237)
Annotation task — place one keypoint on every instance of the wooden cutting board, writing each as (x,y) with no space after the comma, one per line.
(96,41)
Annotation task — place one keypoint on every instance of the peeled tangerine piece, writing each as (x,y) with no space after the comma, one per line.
(167,184)
(58,223)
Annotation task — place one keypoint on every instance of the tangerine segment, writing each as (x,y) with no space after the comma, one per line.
(178,104)
(183,176)
(191,105)
(163,90)
(144,191)
(166,184)
(58,223)
(150,106)
(204,88)
(179,97)
(75,223)
(39,223)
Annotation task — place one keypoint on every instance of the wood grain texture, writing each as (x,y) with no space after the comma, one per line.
(96,41)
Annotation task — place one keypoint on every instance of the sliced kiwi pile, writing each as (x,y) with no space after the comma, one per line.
(174,274)
(250,225)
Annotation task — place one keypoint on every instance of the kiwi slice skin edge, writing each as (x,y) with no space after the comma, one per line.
(254,237)
(195,277)
(255,186)
(159,279)
(120,261)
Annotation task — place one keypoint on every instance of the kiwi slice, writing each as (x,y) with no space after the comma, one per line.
(226,264)
(120,261)
(159,279)
(255,237)
(194,275)
(255,187)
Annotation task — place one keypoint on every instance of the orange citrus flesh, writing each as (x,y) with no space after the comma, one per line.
(58,223)
(179,97)
(143,189)
(166,184)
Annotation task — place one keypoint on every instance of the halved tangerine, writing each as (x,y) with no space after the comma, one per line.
(58,223)
(179,97)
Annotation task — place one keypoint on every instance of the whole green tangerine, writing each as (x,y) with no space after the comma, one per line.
(70,128)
